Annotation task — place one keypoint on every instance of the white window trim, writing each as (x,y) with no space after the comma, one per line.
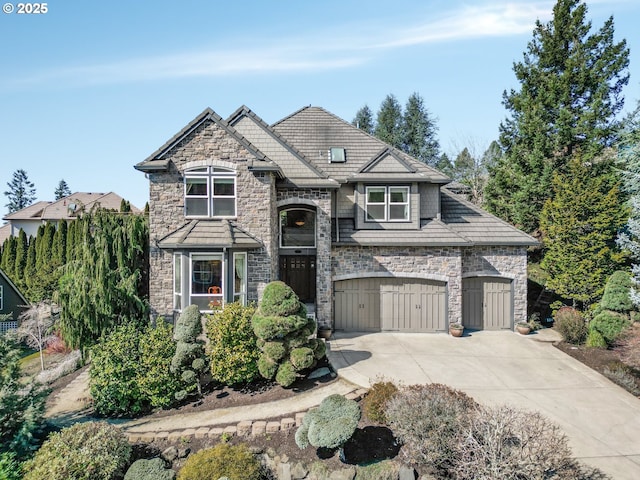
(175,294)
(222,280)
(241,295)
(387,204)
(315,228)
(1,297)
(210,175)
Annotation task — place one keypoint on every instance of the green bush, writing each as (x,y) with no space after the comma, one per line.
(283,333)
(189,349)
(570,323)
(302,358)
(610,325)
(385,470)
(153,469)
(375,402)
(233,354)
(330,424)
(286,374)
(617,293)
(114,375)
(156,381)
(319,348)
(427,418)
(21,407)
(595,339)
(84,451)
(10,468)
(223,460)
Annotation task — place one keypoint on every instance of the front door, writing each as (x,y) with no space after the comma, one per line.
(299,272)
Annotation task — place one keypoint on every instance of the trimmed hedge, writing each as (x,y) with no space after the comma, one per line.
(223,460)
(330,424)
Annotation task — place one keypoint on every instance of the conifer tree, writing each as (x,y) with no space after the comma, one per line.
(420,131)
(21,191)
(59,249)
(21,260)
(579,226)
(570,92)
(30,279)
(364,120)
(9,255)
(62,190)
(389,122)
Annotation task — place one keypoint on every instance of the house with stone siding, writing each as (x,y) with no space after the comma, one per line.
(367,236)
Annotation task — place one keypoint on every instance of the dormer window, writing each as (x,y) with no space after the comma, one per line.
(387,204)
(210,192)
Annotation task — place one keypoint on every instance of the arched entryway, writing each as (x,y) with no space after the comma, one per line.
(298,250)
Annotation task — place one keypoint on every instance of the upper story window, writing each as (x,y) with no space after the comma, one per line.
(210,192)
(298,228)
(387,204)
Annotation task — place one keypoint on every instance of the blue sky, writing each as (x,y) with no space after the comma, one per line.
(91,88)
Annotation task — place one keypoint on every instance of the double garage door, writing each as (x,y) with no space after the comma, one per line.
(390,304)
(418,305)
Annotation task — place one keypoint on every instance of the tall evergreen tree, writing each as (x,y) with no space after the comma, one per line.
(21,191)
(364,120)
(62,190)
(59,249)
(445,165)
(21,259)
(30,279)
(105,283)
(570,92)
(629,163)
(389,122)
(579,226)
(420,131)
(8,261)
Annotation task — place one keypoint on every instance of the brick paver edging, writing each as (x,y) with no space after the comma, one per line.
(241,429)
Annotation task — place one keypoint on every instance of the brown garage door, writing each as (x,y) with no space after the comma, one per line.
(390,304)
(487,303)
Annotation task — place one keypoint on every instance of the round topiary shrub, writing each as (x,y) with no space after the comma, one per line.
(286,374)
(153,469)
(223,460)
(329,425)
(609,324)
(189,361)
(570,323)
(84,451)
(302,358)
(279,300)
(595,339)
(617,293)
(375,402)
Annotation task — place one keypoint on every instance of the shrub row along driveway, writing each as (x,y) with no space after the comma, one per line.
(601,420)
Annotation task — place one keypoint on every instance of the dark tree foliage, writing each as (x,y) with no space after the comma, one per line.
(364,120)
(389,122)
(105,282)
(21,191)
(62,190)
(570,92)
(420,131)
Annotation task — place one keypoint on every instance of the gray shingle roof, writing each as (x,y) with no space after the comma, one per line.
(432,233)
(313,131)
(209,234)
(478,226)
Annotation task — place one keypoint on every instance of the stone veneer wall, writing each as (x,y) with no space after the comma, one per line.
(210,145)
(504,261)
(321,198)
(418,262)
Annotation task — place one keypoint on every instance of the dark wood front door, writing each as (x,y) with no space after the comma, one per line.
(299,272)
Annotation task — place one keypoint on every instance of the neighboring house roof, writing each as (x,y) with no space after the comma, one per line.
(5,232)
(68,207)
(313,131)
(13,286)
(158,160)
(478,226)
(209,234)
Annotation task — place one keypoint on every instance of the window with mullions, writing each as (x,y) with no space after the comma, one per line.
(387,204)
(210,192)
(207,280)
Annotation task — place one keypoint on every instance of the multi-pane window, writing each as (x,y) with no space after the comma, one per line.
(207,280)
(387,204)
(210,192)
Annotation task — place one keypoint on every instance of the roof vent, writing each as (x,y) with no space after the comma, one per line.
(337,155)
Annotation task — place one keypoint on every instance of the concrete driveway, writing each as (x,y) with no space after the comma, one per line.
(601,420)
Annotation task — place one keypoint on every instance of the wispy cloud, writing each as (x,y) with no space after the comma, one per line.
(313,53)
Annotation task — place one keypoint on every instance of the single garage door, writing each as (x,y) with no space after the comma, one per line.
(487,303)
(390,304)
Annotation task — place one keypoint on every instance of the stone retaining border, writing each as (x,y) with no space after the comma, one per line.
(241,429)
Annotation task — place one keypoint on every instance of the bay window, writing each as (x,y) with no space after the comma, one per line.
(207,280)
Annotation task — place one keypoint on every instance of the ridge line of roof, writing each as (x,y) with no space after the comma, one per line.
(246,111)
